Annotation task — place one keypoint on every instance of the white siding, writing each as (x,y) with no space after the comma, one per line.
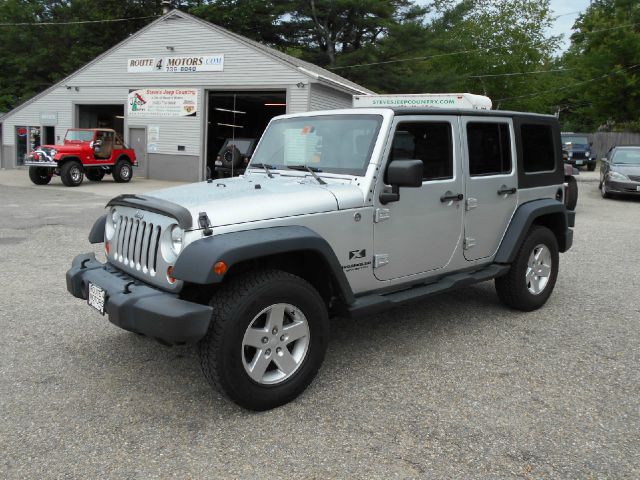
(106,81)
(325,98)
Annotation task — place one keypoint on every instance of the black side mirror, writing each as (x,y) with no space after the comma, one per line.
(402,173)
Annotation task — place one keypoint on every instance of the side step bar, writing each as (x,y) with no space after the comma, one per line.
(377,302)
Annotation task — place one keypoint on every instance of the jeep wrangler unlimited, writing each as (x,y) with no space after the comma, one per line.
(344,212)
(91,151)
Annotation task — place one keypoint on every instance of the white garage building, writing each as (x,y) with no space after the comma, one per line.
(175,90)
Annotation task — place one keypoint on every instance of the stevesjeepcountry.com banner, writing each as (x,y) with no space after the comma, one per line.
(162,102)
(183,64)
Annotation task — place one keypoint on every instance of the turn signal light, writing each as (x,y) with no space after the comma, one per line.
(220,268)
(170,276)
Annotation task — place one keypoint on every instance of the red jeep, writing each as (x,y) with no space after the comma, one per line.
(91,151)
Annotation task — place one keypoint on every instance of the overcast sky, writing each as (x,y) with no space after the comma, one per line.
(568,9)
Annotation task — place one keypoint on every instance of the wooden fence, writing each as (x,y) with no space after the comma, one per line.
(603,141)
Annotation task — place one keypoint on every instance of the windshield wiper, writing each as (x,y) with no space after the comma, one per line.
(311,170)
(264,166)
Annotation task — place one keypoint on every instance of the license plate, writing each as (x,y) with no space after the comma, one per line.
(96,297)
(218,162)
(579,162)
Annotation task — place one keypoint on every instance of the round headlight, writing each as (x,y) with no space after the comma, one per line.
(53,152)
(587,154)
(177,235)
(111,223)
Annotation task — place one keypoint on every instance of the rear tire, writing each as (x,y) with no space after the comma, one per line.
(287,321)
(71,173)
(123,171)
(571,198)
(40,175)
(533,274)
(95,174)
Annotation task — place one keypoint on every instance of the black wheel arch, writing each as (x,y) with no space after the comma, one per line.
(294,249)
(545,212)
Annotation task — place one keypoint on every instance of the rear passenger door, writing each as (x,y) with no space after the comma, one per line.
(490,183)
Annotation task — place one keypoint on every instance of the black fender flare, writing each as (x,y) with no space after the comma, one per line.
(195,263)
(96,235)
(524,217)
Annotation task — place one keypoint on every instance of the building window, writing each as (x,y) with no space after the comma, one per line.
(489,148)
(538,153)
(426,141)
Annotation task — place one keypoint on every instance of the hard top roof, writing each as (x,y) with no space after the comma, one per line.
(468,111)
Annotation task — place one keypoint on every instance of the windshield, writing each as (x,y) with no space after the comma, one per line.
(79,136)
(627,157)
(579,139)
(328,143)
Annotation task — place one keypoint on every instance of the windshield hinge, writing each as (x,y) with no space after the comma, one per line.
(205,224)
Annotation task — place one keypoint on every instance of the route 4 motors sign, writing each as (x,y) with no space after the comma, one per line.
(162,102)
(185,64)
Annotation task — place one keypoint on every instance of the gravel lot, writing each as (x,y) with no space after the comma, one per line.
(453,387)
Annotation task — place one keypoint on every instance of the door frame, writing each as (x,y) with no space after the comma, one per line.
(145,173)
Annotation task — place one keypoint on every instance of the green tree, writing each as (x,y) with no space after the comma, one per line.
(605,56)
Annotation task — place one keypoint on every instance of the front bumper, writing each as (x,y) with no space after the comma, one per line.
(34,163)
(137,307)
(625,187)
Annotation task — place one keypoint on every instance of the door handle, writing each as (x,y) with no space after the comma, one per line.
(449,197)
(507,191)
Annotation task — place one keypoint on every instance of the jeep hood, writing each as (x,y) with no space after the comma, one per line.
(238,200)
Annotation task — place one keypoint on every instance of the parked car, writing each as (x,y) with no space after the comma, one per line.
(332,217)
(578,148)
(233,157)
(620,172)
(94,152)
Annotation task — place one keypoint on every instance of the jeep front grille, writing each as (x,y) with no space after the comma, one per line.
(136,244)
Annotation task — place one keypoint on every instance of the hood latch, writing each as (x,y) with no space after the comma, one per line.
(205,224)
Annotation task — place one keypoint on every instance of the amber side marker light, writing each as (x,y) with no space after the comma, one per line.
(220,268)
(170,276)
(107,247)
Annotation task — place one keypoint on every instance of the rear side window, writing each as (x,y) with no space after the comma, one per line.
(426,141)
(489,148)
(538,153)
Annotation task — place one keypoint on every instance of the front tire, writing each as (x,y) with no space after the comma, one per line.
(267,338)
(123,171)
(71,173)
(533,274)
(591,166)
(603,190)
(40,175)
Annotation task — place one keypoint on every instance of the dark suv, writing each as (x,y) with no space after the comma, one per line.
(578,150)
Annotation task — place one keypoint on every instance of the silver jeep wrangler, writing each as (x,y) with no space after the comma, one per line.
(345,212)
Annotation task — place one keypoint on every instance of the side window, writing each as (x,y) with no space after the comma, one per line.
(489,148)
(538,154)
(427,141)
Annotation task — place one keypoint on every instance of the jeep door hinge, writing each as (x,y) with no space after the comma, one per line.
(380,260)
(381,215)
(469,242)
(471,203)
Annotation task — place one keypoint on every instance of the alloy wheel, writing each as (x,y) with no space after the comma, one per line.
(538,269)
(275,344)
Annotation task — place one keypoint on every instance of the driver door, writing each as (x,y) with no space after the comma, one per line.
(421,232)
